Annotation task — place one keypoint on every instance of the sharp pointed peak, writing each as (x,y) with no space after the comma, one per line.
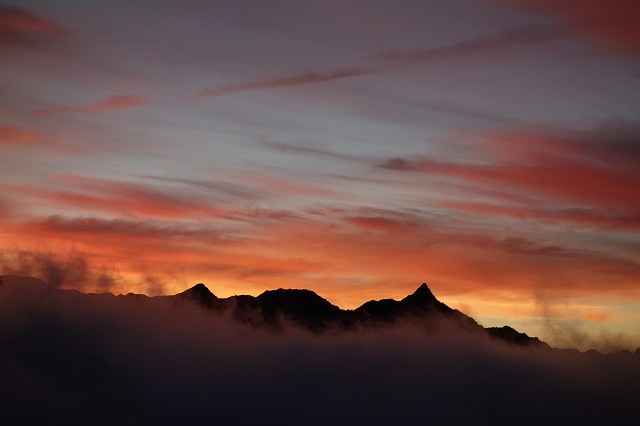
(423,291)
(422,296)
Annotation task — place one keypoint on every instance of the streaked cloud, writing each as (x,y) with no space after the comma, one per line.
(107,104)
(518,36)
(282,82)
(119,198)
(557,169)
(308,149)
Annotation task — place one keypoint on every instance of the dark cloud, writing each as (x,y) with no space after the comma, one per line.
(308,149)
(616,142)
(102,359)
(614,22)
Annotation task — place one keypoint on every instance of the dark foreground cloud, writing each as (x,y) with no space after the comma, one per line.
(102,359)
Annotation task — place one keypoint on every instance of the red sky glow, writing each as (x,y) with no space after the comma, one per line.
(357,149)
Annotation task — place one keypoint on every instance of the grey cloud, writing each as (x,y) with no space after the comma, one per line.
(518,36)
(63,269)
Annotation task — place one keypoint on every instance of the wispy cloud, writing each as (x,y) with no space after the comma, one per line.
(282,82)
(582,217)
(519,36)
(119,198)
(309,150)
(286,187)
(124,228)
(525,35)
(106,104)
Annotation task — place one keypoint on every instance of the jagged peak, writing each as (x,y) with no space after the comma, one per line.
(423,289)
(423,293)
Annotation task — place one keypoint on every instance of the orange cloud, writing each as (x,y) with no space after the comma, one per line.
(107,104)
(331,254)
(282,82)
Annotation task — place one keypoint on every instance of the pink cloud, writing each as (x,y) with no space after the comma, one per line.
(282,82)
(12,135)
(605,219)
(278,186)
(120,198)
(18,26)
(582,172)
(107,104)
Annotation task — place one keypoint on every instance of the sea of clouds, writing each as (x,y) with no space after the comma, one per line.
(103,359)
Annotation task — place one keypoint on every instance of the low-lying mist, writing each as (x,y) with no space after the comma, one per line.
(103,359)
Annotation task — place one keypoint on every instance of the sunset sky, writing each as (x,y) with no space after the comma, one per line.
(490,148)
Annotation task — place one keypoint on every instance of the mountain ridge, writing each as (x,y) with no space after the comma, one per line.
(308,310)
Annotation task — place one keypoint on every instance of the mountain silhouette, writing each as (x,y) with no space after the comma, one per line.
(511,335)
(306,309)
